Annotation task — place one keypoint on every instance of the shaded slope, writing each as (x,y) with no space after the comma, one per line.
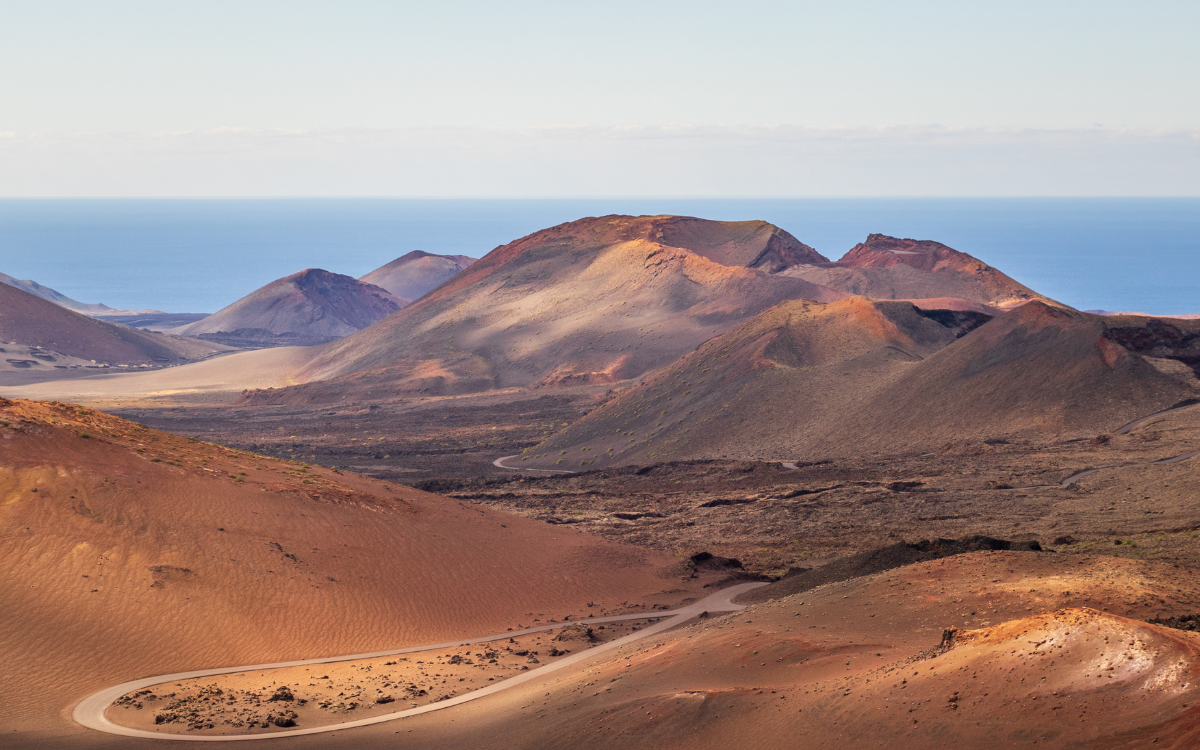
(1037,371)
(592,301)
(806,381)
(414,275)
(765,389)
(33,321)
(309,307)
(130,552)
(46,293)
(889,268)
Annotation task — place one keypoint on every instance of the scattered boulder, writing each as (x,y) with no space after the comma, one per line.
(578,633)
(709,561)
(1179,622)
(879,560)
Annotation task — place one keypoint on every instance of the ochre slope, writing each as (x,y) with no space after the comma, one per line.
(593,301)
(310,307)
(415,274)
(131,552)
(768,388)
(33,321)
(889,268)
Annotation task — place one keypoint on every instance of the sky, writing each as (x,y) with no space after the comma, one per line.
(755,98)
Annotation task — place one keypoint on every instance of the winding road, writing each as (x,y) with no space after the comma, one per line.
(90,712)
(499,464)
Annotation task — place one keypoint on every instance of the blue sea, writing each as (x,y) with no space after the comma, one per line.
(180,255)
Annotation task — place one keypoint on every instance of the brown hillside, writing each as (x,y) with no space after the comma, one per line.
(414,275)
(1037,371)
(58,298)
(889,268)
(806,381)
(766,388)
(132,552)
(309,307)
(593,301)
(32,321)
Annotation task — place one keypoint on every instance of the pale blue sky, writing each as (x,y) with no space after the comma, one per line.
(548,98)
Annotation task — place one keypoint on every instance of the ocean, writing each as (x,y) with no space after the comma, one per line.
(185,255)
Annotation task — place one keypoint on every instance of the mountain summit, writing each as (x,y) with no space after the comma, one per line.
(886,267)
(310,307)
(592,301)
(414,275)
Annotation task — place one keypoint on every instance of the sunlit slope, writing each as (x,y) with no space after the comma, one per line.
(890,268)
(131,552)
(808,381)
(593,301)
(415,274)
(765,389)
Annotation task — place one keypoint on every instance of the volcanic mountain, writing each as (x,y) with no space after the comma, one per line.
(46,293)
(309,307)
(414,275)
(58,337)
(810,381)
(131,552)
(762,390)
(889,268)
(593,301)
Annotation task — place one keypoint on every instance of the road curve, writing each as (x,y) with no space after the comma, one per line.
(1128,427)
(499,464)
(90,711)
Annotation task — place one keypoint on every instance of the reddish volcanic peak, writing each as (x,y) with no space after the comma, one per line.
(890,268)
(592,301)
(881,251)
(752,244)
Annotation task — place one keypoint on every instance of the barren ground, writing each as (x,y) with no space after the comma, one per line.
(769,517)
(270,700)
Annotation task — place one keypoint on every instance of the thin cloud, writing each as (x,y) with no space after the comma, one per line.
(758,160)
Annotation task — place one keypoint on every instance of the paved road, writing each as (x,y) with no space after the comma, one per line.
(1125,429)
(90,711)
(499,464)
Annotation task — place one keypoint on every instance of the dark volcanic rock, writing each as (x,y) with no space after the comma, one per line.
(879,560)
